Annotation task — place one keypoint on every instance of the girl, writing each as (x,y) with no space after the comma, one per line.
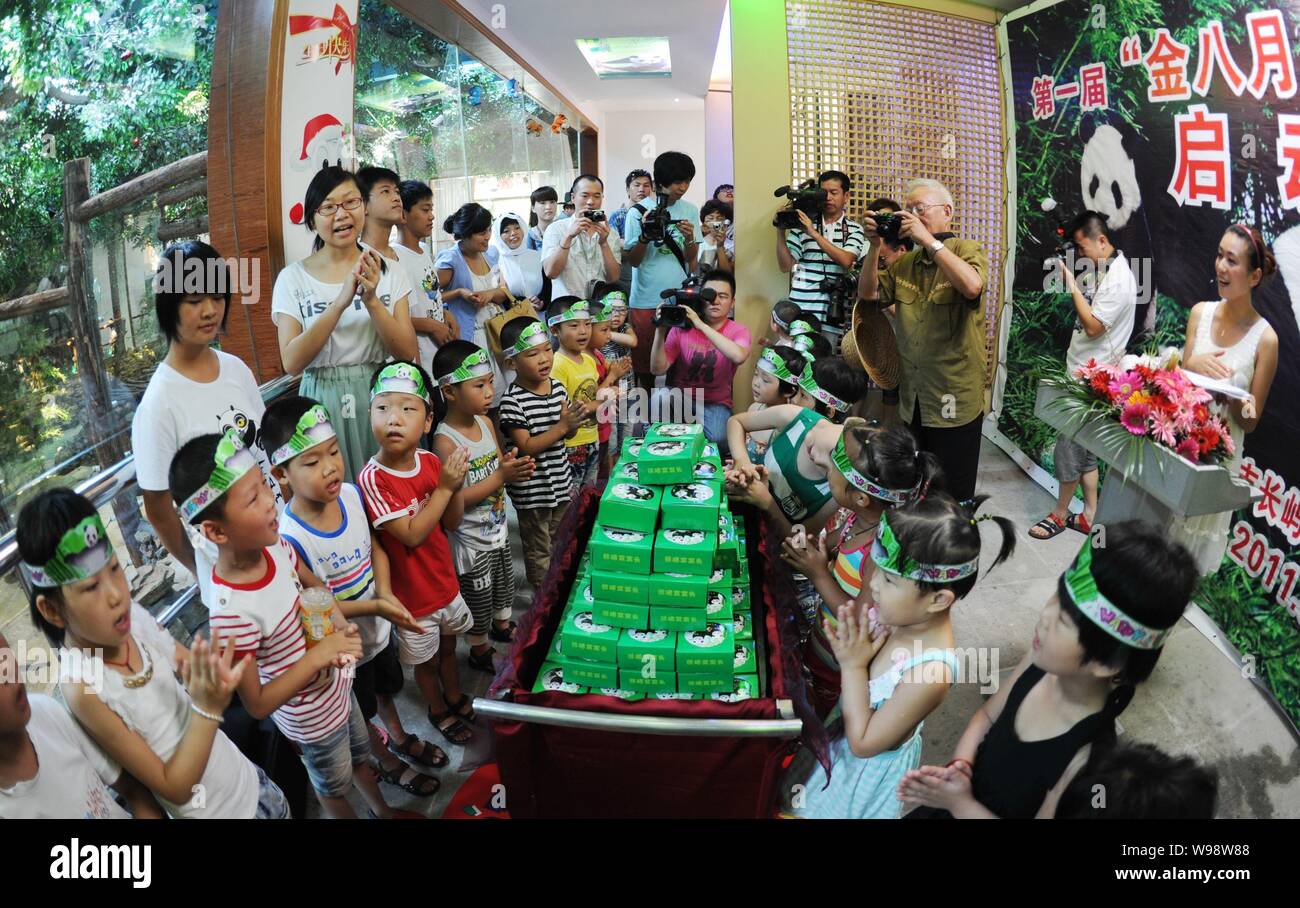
(470,274)
(610,376)
(772,391)
(873,470)
(165,734)
(1099,636)
(521,267)
(618,349)
(783,313)
(1228,340)
(195,388)
(543,201)
(480,544)
(832,384)
(341,311)
(927,556)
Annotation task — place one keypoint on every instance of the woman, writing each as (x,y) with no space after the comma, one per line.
(470,275)
(543,201)
(715,219)
(1228,340)
(521,267)
(341,312)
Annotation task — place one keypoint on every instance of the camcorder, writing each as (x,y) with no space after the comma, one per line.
(807,197)
(655,223)
(595,215)
(842,293)
(691,294)
(1055,243)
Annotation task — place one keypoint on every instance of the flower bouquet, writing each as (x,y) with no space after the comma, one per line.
(1149,398)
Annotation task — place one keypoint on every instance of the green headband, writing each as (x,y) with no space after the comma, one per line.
(615,299)
(864,483)
(772,363)
(400,378)
(313,428)
(887,553)
(579,310)
(532,336)
(81,553)
(798,328)
(809,384)
(1082,587)
(476,365)
(602,313)
(231,462)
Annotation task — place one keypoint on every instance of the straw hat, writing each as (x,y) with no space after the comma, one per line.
(872,342)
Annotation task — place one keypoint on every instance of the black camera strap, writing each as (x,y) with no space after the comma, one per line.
(668,241)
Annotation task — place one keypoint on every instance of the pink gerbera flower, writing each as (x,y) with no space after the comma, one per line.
(1134,418)
(1189,449)
(1163,427)
(1124,385)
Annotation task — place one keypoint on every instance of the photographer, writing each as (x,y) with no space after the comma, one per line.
(705,352)
(715,223)
(581,249)
(935,289)
(659,244)
(825,249)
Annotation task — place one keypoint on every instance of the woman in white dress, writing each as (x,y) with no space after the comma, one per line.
(470,276)
(1228,340)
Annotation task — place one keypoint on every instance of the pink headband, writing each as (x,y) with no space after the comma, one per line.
(1250,235)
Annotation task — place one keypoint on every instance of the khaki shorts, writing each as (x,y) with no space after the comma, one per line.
(452,619)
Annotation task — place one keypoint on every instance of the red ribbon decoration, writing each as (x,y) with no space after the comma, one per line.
(346,30)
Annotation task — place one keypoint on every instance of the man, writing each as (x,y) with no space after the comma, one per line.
(577,250)
(818,251)
(706,354)
(658,265)
(639,185)
(1105,320)
(935,290)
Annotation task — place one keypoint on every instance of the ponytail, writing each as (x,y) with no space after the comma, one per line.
(1006,526)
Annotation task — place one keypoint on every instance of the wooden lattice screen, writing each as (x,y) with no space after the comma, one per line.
(885,94)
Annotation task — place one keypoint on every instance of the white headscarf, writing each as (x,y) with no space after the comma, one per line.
(522,267)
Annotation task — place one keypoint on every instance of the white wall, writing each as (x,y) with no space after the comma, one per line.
(720,166)
(630,139)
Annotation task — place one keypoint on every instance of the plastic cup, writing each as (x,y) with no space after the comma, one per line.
(317,607)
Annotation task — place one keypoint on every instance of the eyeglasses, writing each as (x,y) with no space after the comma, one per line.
(329,209)
(921,209)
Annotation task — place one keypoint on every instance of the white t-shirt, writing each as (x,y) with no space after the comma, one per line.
(159,712)
(176,409)
(72,774)
(354,340)
(1113,304)
(585,262)
(425,298)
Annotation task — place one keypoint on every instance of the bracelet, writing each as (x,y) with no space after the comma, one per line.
(564,247)
(205,714)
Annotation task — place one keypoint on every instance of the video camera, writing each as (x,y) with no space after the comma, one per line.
(690,293)
(842,290)
(655,223)
(808,197)
(1056,243)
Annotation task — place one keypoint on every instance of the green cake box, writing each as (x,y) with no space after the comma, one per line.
(708,651)
(678,590)
(638,649)
(551,677)
(717,607)
(676,695)
(745,662)
(582,596)
(621,614)
(590,674)
(691,505)
(619,586)
(630,506)
(646,682)
(631,448)
(669,453)
(729,547)
(626,470)
(742,626)
(704,683)
(720,579)
(743,687)
(685,551)
(583,638)
(740,597)
(619,693)
(678,618)
(617,549)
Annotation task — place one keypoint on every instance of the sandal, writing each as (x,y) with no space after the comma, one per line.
(464,701)
(408,751)
(416,783)
(497,635)
(1079,523)
(457,733)
(1050,526)
(482,662)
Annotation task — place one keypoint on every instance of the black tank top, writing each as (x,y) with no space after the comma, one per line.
(1011,777)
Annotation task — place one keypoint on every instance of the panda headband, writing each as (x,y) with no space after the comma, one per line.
(81,553)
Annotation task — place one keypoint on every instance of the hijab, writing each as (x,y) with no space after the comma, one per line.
(522,267)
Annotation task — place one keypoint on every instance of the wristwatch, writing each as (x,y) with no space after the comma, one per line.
(935,246)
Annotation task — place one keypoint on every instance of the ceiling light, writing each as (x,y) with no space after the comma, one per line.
(627,58)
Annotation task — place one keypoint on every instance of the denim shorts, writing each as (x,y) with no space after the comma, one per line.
(329,761)
(271,804)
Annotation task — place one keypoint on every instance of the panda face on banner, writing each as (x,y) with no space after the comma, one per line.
(1109,177)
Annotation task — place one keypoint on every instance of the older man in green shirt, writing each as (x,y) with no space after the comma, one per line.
(935,291)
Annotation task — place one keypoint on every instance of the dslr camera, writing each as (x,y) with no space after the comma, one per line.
(888,223)
(807,197)
(595,215)
(655,223)
(691,294)
(842,289)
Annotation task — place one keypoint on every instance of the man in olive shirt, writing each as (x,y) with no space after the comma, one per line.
(935,291)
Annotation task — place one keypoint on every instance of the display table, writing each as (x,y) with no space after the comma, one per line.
(590,755)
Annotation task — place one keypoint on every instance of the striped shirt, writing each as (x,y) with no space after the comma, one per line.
(263,619)
(342,559)
(812,265)
(522,409)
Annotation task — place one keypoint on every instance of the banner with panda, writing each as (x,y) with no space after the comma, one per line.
(1174,121)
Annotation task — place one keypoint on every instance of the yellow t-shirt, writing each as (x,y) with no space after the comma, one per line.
(580,383)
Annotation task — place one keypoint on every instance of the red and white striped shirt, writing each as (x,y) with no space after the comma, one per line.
(263,618)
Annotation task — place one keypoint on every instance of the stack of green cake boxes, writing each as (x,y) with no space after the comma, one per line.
(661,606)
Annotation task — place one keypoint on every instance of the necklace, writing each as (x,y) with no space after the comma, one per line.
(140,678)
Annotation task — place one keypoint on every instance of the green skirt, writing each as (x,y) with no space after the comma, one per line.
(345,392)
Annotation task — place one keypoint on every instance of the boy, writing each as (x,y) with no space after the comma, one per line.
(434,326)
(610,374)
(49,768)
(305,687)
(326,523)
(412,497)
(537,417)
(569,319)
(1102,328)
(622,340)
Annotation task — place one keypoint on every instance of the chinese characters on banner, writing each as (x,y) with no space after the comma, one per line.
(1279,507)
(1202,173)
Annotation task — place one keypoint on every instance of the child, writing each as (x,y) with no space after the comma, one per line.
(611,376)
(325,521)
(1140,782)
(1099,636)
(772,390)
(784,312)
(617,350)
(927,557)
(833,385)
(412,497)
(165,735)
(569,319)
(433,324)
(536,417)
(49,768)
(873,470)
(480,542)
(254,603)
